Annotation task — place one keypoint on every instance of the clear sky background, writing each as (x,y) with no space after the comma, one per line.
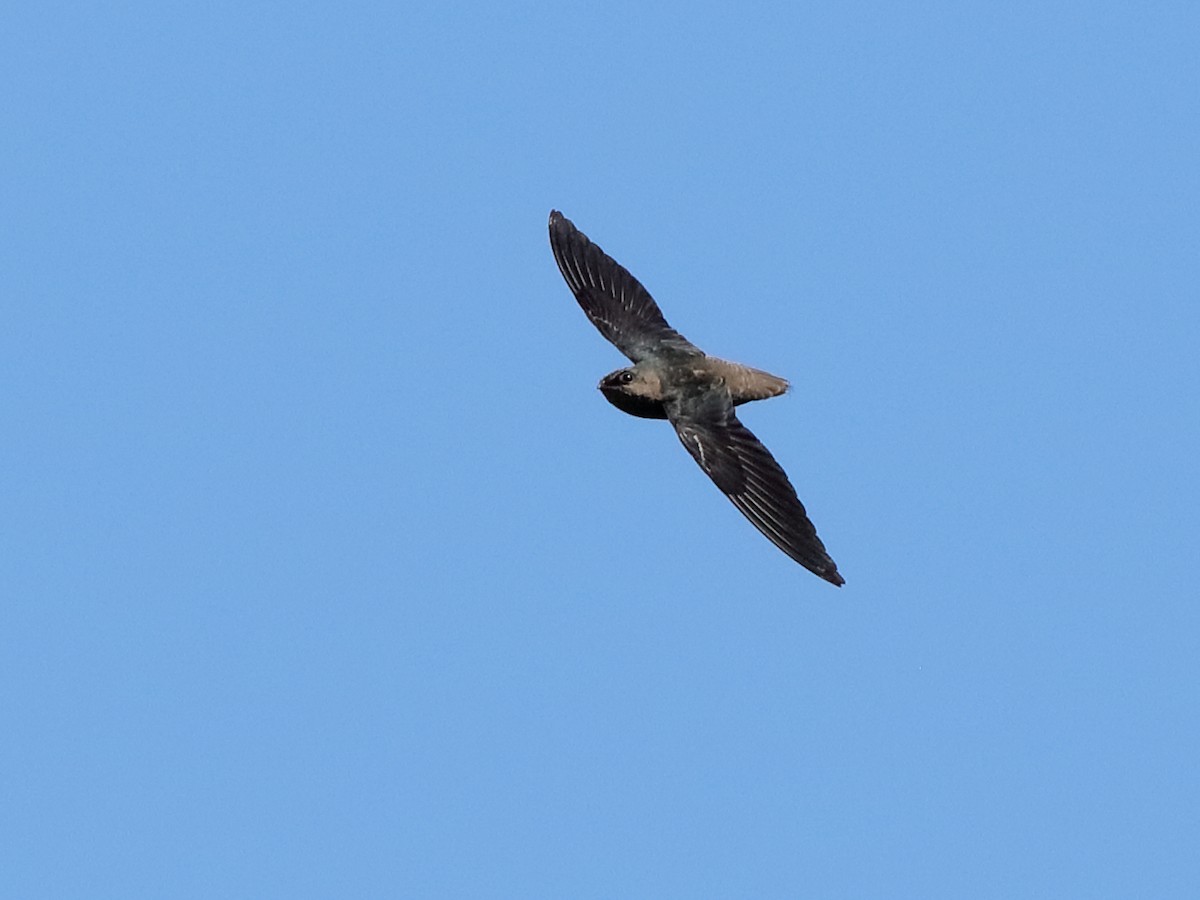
(327,572)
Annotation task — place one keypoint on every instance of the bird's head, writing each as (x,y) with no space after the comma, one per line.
(634,391)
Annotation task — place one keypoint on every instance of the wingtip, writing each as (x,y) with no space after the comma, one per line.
(834,578)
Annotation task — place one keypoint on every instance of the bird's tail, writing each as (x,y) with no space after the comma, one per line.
(746,384)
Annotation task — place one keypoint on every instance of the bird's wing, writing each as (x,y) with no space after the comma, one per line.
(745,471)
(614,300)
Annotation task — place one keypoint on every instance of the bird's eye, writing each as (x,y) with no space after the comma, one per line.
(625,377)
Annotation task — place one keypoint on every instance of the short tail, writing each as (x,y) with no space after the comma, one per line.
(746,384)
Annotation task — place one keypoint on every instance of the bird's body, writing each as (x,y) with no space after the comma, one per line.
(673,379)
(653,383)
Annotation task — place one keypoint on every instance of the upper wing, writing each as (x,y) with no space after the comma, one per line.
(613,299)
(744,469)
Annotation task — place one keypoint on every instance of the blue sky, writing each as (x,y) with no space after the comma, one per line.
(328,573)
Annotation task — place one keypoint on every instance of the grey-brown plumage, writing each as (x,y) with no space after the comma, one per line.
(673,379)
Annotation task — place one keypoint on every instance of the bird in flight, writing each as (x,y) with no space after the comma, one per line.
(672,379)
